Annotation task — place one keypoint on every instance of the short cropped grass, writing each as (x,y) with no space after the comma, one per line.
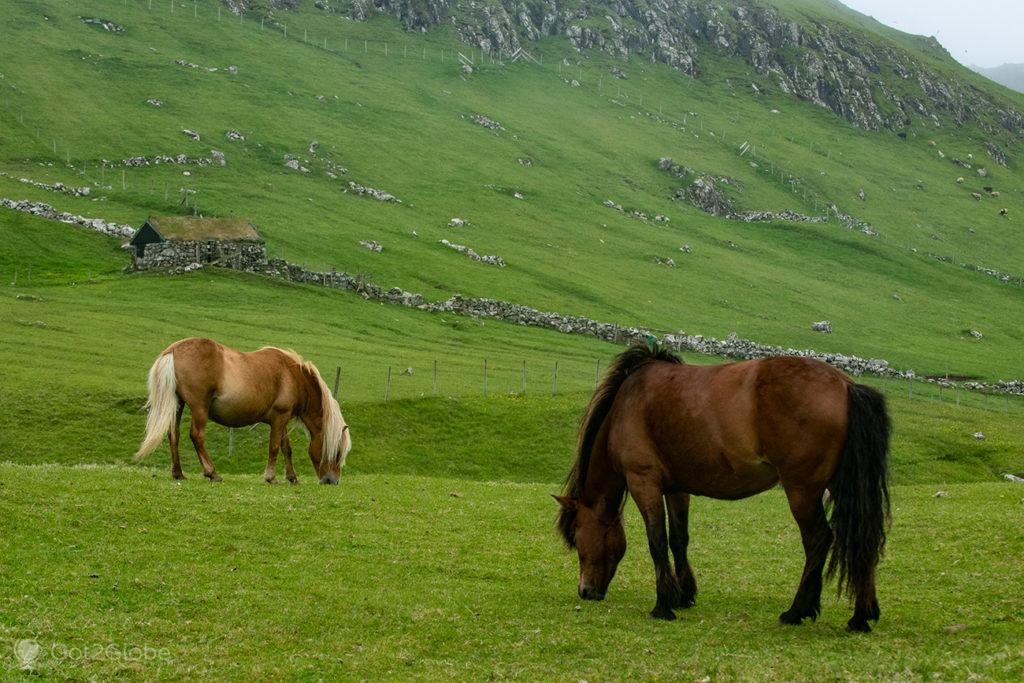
(433,578)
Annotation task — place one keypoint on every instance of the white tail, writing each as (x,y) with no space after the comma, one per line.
(162,404)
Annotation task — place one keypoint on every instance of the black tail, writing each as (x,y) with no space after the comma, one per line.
(625,363)
(860,494)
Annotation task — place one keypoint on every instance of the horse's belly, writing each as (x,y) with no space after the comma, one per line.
(234,413)
(741,478)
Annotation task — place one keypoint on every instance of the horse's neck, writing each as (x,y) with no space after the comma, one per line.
(605,485)
(310,403)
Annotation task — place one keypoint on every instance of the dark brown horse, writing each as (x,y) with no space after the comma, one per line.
(236,389)
(665,431)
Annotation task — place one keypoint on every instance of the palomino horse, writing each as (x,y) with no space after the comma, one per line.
(236,389)
(665,431)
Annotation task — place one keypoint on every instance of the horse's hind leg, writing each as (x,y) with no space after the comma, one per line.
(175,437)
(649,498)
(286,446)
(198,435)
(816,535)
(678,540)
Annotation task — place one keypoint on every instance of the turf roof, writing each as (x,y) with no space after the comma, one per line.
(199,228)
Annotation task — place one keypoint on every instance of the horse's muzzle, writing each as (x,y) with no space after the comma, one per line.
(588,593)
(329,479)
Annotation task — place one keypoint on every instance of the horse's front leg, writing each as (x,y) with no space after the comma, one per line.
(286,446)
(678,540)
(278,430)
(649,498)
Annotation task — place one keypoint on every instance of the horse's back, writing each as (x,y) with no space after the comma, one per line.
(238,387)
(729,431)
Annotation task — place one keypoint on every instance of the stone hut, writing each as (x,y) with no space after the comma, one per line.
(168,242)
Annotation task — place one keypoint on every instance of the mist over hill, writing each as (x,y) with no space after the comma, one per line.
(1010,75)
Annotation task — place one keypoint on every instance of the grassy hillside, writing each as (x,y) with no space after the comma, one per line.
(397,117)
(432,578)
(75,352)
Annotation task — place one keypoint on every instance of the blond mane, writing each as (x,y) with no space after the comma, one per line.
(337,439)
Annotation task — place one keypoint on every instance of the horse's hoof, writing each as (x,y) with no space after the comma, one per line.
(687,601)
(663,613)
(293,480)
(214,477)
(271,481)
(790,618)
(178,476)
(858,626)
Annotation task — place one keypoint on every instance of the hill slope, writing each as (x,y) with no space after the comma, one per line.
(396,111)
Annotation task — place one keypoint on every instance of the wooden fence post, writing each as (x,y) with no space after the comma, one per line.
(554,380)
(337,380)
(485,377)
(387,387)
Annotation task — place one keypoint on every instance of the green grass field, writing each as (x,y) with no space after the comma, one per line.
(436,558)
(393,576)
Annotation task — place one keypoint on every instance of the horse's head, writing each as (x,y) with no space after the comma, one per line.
(332,458)
(330,440)
(600,540)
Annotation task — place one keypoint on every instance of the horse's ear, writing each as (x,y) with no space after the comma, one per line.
(566,502)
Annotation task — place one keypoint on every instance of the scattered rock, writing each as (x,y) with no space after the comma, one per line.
(861,196)
(1013,477)
(822,326)
(940,494)
(234,136)
(379,195)
(46,211)
(686,249)
(189,133)
(619,73)
(462,249)
(372,245)
(153,102)
(486,122)
(983,172)
(980,436)
(218,157)
(59,187)
(976,334)
(665,262)
(676,170)
(313,147)
(103,23)
(525,161)
(458,223)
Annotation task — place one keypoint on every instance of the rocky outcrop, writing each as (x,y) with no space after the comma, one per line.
(858,75)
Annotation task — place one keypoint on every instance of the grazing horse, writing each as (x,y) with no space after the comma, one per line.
(236,389)
(663,431)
